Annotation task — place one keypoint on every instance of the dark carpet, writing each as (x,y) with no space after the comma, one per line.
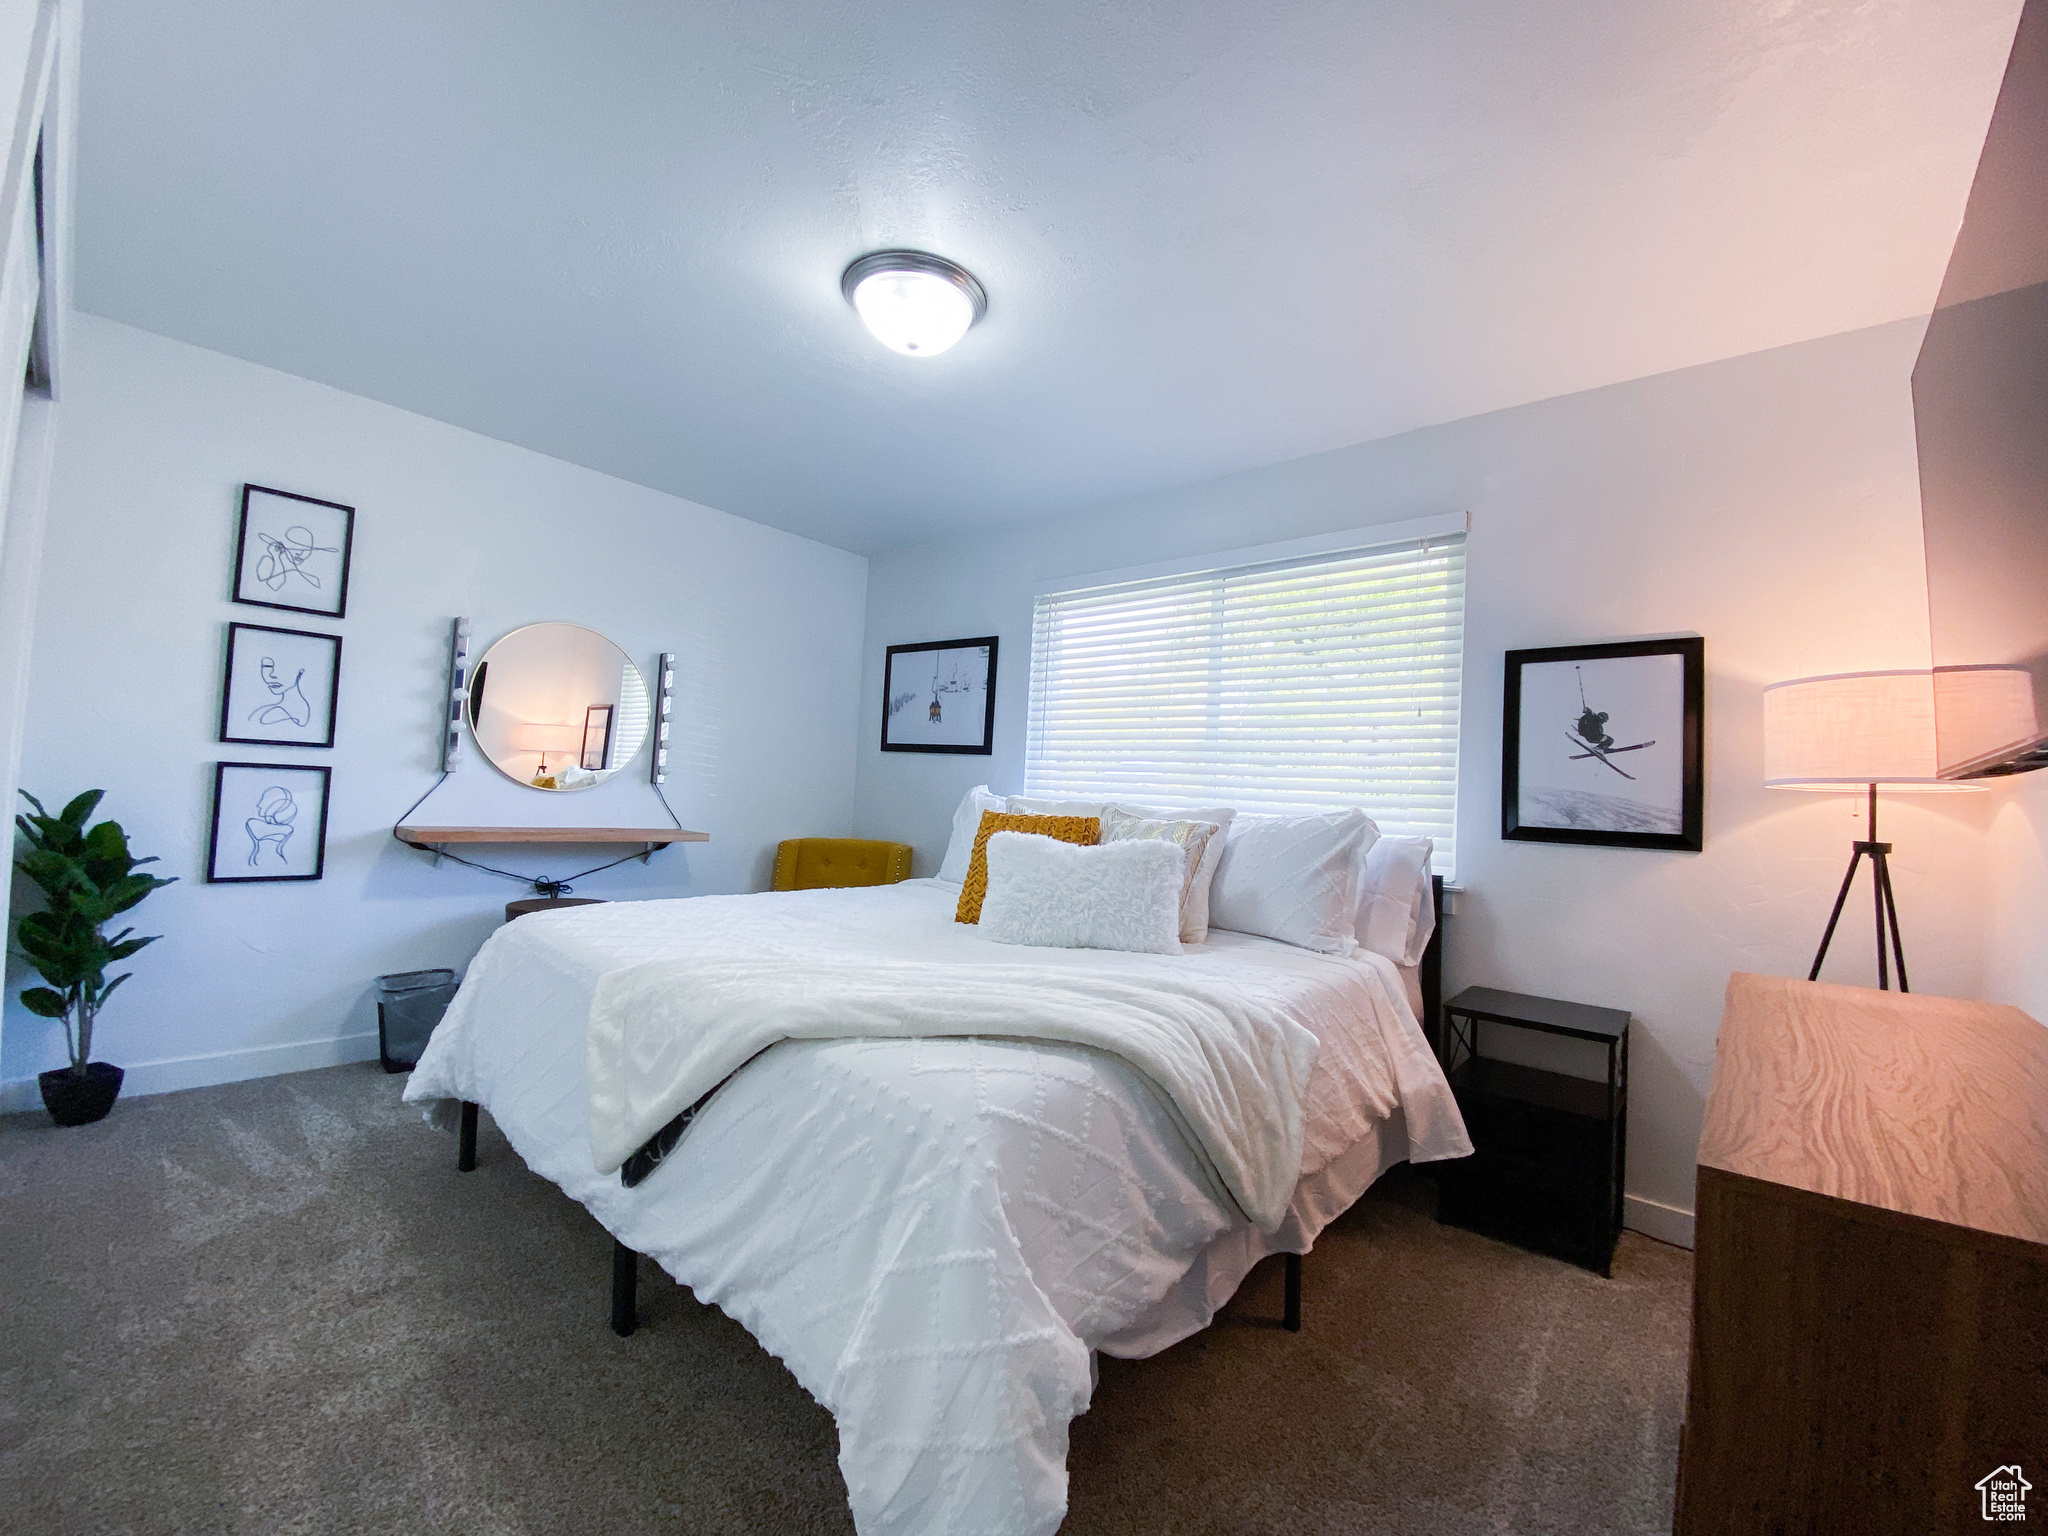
(275,1306)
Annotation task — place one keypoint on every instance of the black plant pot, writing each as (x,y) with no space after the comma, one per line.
(75,1100)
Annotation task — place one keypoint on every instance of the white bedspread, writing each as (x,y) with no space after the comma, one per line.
(933,1234)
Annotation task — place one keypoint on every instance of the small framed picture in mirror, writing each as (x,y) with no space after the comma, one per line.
(280,687)
(269,822)
(940,696)
(293,551)
(597,737)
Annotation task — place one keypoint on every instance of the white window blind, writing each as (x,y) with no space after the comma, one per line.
(1329,680)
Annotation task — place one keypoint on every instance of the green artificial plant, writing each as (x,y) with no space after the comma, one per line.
(87,878)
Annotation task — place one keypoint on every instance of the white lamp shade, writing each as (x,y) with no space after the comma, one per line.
(1850,730)
(547,738)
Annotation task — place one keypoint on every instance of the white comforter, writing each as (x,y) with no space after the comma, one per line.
(1226,1043)
(934,1233)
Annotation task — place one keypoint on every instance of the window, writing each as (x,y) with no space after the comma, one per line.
(1321,680)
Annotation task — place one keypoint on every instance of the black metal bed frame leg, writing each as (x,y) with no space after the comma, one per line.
(625,1289)
(465,1158)
(1292,1318)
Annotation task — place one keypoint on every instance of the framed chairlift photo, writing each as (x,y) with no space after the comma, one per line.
(940,696)
(1601,745)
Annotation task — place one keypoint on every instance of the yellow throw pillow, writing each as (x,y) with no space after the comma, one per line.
(1084,830)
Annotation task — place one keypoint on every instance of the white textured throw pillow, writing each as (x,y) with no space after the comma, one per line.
(1061,896)
(966,823)
(1294,878)
(1194,925)
(1395,913)
(1200,841)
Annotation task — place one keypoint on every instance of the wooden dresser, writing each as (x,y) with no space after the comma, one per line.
(1870,1293)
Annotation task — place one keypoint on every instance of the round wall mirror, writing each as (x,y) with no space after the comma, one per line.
(558,706)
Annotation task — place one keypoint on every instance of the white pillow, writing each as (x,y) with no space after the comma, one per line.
(1396,914)
(1062,896)
(1195,911)
(1026,805)
(1295,878)
(966,824)
(1195,839)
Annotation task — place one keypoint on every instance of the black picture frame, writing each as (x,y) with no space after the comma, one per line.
(234,791)
(901,698)
(285,566)
(241,639)
(1518,824)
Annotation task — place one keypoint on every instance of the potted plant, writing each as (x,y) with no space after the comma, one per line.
(87,878)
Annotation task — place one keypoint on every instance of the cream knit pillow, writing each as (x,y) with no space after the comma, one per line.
(1200,841)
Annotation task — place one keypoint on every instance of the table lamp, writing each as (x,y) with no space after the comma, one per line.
(543,738)
(1855,731)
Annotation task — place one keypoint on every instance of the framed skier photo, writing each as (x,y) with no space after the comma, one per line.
(940,696)
(1601,745)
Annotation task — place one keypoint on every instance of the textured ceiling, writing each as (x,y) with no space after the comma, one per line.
(1214,234)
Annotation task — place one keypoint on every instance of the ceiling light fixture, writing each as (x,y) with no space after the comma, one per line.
(915,303)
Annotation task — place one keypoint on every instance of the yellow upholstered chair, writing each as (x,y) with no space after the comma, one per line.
(820,863)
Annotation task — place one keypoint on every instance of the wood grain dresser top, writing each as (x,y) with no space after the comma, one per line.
(1928,1106)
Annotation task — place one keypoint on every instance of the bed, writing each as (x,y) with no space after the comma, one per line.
(936,1233)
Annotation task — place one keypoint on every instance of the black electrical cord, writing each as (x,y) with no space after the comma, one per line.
(672,816)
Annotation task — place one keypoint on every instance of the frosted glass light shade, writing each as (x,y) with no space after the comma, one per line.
(1850,730)
(913,302)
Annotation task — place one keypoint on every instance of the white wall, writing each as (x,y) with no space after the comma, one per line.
(1769,503)
(2016,893)
(131,623)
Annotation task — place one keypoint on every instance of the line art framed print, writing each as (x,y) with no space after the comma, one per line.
(292,552)
(269,823)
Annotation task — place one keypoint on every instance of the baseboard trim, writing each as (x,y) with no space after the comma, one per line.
(1653,1218)
(177,1073)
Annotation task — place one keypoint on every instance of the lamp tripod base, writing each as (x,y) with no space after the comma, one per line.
(1887,909)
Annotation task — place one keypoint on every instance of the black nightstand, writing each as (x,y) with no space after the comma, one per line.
(1551,1150)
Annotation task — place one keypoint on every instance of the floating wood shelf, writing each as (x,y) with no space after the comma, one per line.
(660,836)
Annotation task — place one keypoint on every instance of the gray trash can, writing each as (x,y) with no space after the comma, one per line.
(409,1005)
